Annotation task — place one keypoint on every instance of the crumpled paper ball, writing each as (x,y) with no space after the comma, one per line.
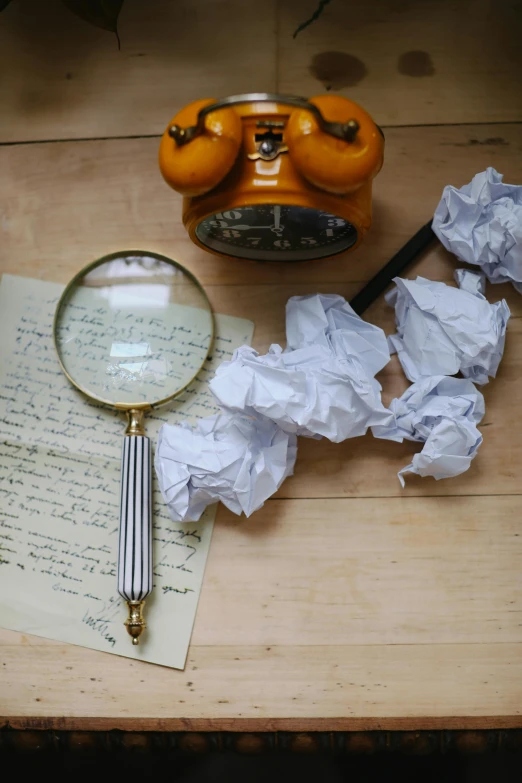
(239,460)
(481,223)
(442,330)
(442,413)
(308,391)
(328,320)
(322,384)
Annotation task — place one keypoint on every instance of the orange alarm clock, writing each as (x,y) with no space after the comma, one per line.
(274,178)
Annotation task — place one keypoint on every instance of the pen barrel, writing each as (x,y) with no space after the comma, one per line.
(135,542)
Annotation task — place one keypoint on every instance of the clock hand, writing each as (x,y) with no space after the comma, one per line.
(247,228)
(277,218)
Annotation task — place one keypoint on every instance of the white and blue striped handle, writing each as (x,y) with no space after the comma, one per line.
(135,543)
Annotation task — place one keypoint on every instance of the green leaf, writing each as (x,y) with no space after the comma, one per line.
(100,13)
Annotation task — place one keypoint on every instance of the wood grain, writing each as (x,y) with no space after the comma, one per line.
(314,610)
(439,61)
(287,689)
(65,204)
(67,79)
(407,63)
(366,571)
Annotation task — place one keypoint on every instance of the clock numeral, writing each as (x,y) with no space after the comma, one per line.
(282,243)
(218,223)
(336,222)
(329,232)
(254,240)
(308,241)
(233,215)
(228,233)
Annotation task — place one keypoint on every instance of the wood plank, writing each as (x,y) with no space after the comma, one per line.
(439,61)
(67,79)
(360,572)
(33,725)
(65,204)
(314,610)
(244,688)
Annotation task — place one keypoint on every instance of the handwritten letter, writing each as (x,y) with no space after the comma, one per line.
(59,494)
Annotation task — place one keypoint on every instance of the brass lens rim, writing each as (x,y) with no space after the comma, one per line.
(125,406)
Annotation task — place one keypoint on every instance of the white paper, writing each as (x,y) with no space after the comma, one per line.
(442,330)
(323,383)
(481,223)
(472,282)
(442,413)
(237,459)
(329,321)
(59,496)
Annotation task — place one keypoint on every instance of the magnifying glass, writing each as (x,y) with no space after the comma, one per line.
(132,330)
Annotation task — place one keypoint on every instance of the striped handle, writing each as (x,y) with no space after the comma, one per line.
(135,548)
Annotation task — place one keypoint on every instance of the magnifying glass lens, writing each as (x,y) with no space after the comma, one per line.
(133,330)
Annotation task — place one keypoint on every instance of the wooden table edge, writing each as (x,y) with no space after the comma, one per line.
(261,725)
(412,735)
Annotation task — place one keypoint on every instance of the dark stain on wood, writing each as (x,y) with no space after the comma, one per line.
(415,63)
(337,69)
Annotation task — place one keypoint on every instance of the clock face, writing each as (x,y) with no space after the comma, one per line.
(270,232)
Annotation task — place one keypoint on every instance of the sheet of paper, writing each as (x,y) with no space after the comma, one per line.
(59,494)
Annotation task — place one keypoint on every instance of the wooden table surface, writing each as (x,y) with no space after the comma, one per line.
(346,603)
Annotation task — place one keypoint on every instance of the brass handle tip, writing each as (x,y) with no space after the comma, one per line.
(135,624)
(179,135)
(350,130)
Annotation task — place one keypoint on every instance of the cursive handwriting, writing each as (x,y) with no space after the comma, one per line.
(60,484)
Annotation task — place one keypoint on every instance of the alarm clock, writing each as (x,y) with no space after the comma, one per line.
(273,178)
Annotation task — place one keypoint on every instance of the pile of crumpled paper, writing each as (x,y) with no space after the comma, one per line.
(323,385)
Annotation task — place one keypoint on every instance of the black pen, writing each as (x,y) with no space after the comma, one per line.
(394,267)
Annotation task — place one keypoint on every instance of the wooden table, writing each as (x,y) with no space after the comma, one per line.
(347,613)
